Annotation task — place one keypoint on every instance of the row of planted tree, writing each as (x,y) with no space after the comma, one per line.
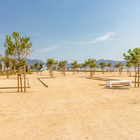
(12,64)
(18,49)
(133,60)
(61,65)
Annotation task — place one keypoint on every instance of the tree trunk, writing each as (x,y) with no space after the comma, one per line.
(64,73)
(7,73)
(135,76)
(127,70)
(74,71)
(130,71)
(4,66)
(120,71)
(138,74)
(20,77)
(51,72)
(94,71)
(14,68)
(90,72)
(103,71)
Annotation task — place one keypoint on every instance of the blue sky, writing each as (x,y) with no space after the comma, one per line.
(73,29)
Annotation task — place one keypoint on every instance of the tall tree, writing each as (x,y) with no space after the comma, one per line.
(134,57)
(78,66)
(91,63)
(62,64)
(116,66)
(120,65)
(7,64)
(93,66)
(20,48)
(0,66)
(109,65)
(102,66)
(13,63)
(0,62)
(23,62)
(50,63)
(86,63)
(74,66)
(36,65)
(40,65)
(32,67)
(97,67)
(84,66)
(129,65)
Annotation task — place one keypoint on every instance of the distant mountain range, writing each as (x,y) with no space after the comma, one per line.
(109,61)
(32,62)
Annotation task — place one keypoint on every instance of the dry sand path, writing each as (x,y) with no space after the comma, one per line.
(71,108)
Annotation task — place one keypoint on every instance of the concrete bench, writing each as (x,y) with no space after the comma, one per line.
(126,82)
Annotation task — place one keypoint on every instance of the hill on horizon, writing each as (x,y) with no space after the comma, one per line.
(33,61)
(113,62)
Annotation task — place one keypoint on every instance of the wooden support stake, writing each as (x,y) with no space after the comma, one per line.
(24,79)
(18,81)
(138,74)
(135,78)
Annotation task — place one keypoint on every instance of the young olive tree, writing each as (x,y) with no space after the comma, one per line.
(74,66)
(129,65)
(7,64)
(13,63)
(91,63)
(134,57)
(62,64)
(32,67)
(0,62)
(109,65)
(36,65)
(40,67)
(50,63)
(0,66)
(102,66)
(19,48)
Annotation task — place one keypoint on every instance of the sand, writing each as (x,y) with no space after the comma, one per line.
(72,107)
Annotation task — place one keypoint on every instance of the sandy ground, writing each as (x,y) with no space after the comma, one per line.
(71,108)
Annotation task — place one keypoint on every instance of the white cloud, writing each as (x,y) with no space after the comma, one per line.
(51,48)
(80,43)
(102,38)
(37,33)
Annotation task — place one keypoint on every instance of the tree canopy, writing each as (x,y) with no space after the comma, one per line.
(50,63)
(134,57)
(20,48)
